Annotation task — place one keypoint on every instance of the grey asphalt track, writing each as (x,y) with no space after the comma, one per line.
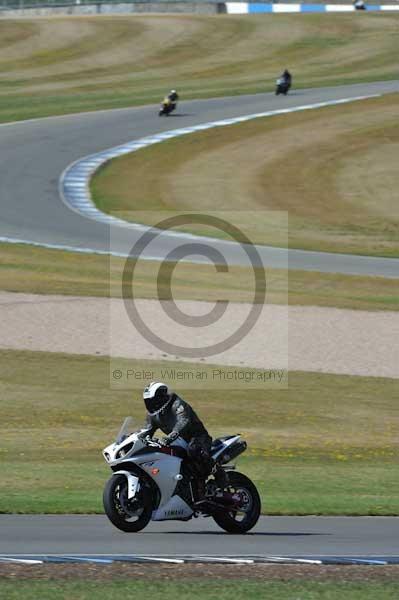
(33,156)
(35,153)
(93,534)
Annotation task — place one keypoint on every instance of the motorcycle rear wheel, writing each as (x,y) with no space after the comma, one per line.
(130,516)
(230,521)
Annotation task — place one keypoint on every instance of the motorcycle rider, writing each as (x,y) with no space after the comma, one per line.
(176,418)
(287,77)
(173,96)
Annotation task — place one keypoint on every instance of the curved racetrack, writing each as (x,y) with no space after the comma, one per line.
(35,153)
(33,156)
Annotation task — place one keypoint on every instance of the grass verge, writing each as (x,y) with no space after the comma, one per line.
(326,445)
(218,590)
(59,65)
(333,170)
(40,271)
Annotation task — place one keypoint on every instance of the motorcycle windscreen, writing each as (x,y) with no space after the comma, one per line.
(126,429)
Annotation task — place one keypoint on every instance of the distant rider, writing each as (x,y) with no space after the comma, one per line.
(173,96)
(176,418)
(287,77)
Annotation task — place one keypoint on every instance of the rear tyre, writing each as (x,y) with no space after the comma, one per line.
(127,515)
(244,519)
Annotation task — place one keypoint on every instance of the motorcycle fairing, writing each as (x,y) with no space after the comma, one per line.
(163,470)
(175,509)
(166,477)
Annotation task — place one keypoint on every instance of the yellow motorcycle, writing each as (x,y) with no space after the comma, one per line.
(167,106)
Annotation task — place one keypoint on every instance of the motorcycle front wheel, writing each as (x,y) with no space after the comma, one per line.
(246,516)
(127,515)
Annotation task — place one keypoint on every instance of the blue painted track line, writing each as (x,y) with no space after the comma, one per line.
(235,559)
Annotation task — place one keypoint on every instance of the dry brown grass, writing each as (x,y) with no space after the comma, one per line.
(64,64)
(41,271)
(333,171)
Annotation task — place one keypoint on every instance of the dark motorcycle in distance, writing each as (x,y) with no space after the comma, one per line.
(282,86)
(167,106)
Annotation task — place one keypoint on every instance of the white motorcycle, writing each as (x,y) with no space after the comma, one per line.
(152,481)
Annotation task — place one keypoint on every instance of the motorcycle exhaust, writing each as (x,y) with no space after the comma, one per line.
(233,451)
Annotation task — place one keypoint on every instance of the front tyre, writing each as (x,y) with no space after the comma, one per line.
(246,516)
(127,515)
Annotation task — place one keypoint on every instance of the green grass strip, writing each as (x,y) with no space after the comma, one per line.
(210,590)
(326,445)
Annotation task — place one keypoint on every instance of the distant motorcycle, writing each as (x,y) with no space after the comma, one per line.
(151,481)
(167,106)
(282,86)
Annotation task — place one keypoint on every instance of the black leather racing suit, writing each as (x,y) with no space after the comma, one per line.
(287,77)
(176,419)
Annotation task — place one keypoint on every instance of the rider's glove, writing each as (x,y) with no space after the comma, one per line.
(170,438)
